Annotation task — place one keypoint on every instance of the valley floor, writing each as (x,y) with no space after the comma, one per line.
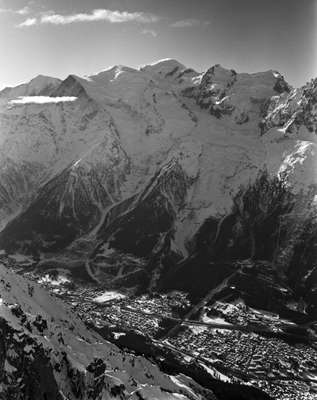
(232,342)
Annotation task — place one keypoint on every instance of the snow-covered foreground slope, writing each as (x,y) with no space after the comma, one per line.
(127,162)
(48,353)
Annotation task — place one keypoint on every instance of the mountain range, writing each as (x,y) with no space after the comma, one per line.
(161,178)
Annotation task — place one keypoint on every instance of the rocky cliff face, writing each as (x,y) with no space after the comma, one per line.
(294,111)
(131,164)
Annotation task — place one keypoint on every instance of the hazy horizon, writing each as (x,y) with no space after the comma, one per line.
(58,38)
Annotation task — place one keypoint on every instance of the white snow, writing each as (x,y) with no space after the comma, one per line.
(108,296)
(37,85)
(117,335)
(197,329)
(132,123)
(60,280)
(215,320)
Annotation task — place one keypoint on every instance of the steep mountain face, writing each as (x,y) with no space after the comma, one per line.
(241,96)
(293,111)
(46,352)
(145,166)
(73,202)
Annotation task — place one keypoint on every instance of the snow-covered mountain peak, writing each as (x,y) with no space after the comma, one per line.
(240,96)
(219,74)
(73,85)
(228,77)
(114,178)
(112,73)
(294,112)
(41,85)
(126,124)
(162,66)
(171,70)
(41,81)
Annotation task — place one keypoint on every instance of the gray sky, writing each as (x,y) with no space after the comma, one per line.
(59,37)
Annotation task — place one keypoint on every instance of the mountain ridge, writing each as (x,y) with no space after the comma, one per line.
(151,181)
(221,128)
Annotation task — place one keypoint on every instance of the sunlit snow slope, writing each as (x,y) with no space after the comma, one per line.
(129,158)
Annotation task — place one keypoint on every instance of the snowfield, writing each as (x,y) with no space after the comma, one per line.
(117,129)
(108,296)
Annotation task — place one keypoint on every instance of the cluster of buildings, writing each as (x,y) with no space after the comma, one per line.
(286,372)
